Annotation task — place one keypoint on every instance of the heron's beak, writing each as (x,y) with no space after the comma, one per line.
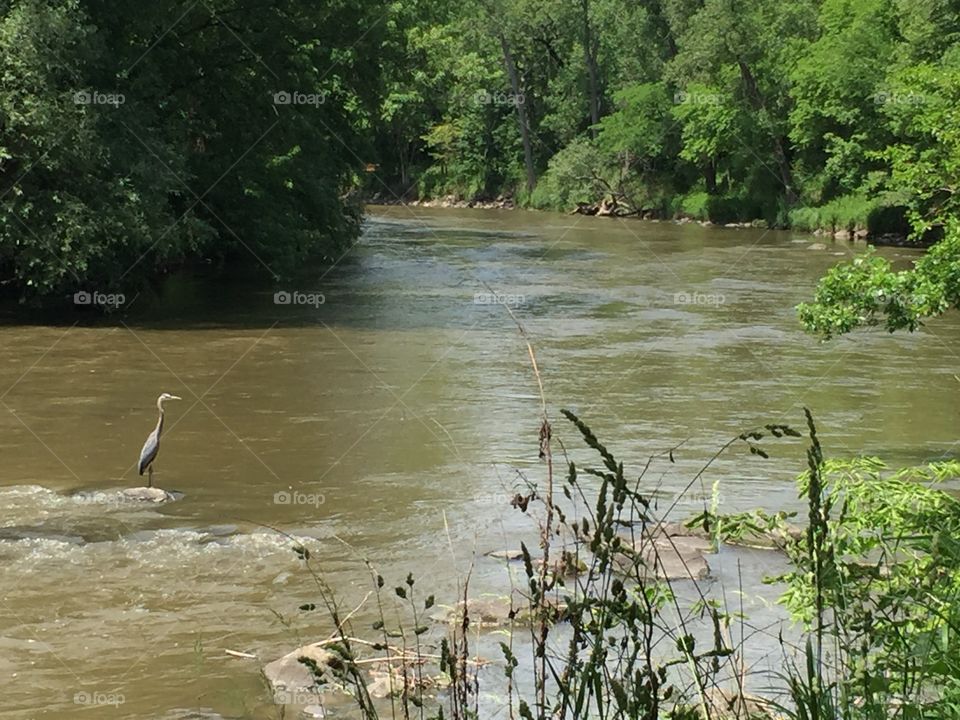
(174,397)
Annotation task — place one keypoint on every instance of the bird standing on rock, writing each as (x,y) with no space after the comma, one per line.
(152,446)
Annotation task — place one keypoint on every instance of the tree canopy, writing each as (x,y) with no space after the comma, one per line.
(135,139)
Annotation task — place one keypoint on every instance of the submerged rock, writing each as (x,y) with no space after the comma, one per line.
(489,611)
(510,555)
(391,680)
(15,533)
(148,494)
(484,612)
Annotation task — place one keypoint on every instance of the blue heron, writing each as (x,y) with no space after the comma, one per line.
(152,446)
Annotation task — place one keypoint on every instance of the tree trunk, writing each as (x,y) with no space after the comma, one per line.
(779,151)
(710,176)
(593,73)
(521,109)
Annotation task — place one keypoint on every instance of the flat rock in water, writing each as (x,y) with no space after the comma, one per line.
(290,675)
(391,681)
(776,539)
(668,557)
(490,611)
(731,705)
(505,554)
(148,494)
(484,612)
(679,558)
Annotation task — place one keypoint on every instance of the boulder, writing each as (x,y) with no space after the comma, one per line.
(666,557)
(148,494)
(731,705)
(490,611)
(289,675)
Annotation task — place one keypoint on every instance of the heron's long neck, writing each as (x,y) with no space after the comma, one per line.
(159,420)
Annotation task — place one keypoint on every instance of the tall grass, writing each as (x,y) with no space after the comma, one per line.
(598,628)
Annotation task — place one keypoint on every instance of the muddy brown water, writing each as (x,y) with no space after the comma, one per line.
(393,422)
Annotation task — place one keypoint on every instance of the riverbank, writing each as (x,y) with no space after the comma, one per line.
(849,231)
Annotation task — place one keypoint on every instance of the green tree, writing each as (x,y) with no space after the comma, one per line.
(923,104)
(138,138)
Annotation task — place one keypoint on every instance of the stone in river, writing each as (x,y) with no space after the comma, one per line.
(289,675)
(148,494)
(488,611)
(677,557)
(505,554)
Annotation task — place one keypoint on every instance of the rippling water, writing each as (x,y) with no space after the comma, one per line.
(393,422)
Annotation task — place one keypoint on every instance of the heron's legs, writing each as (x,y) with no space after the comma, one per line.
(150,476)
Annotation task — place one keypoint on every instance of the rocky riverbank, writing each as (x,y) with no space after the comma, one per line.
(609,208)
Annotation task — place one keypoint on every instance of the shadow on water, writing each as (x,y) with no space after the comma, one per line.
(415,277)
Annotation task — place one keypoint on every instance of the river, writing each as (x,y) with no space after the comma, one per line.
(393,421)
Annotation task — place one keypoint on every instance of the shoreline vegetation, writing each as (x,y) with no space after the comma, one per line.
(617,613)
(604,208)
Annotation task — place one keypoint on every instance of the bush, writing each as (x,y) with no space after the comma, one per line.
(693,204)
(574,175)
(888,219)
(849,212)
(876,581)
(724,209)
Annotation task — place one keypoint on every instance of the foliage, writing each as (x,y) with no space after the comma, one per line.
(867,291)
(848,213)
(876,581)
(921,104)
(815,113)
(592,619)
(138,139)
(577,174)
